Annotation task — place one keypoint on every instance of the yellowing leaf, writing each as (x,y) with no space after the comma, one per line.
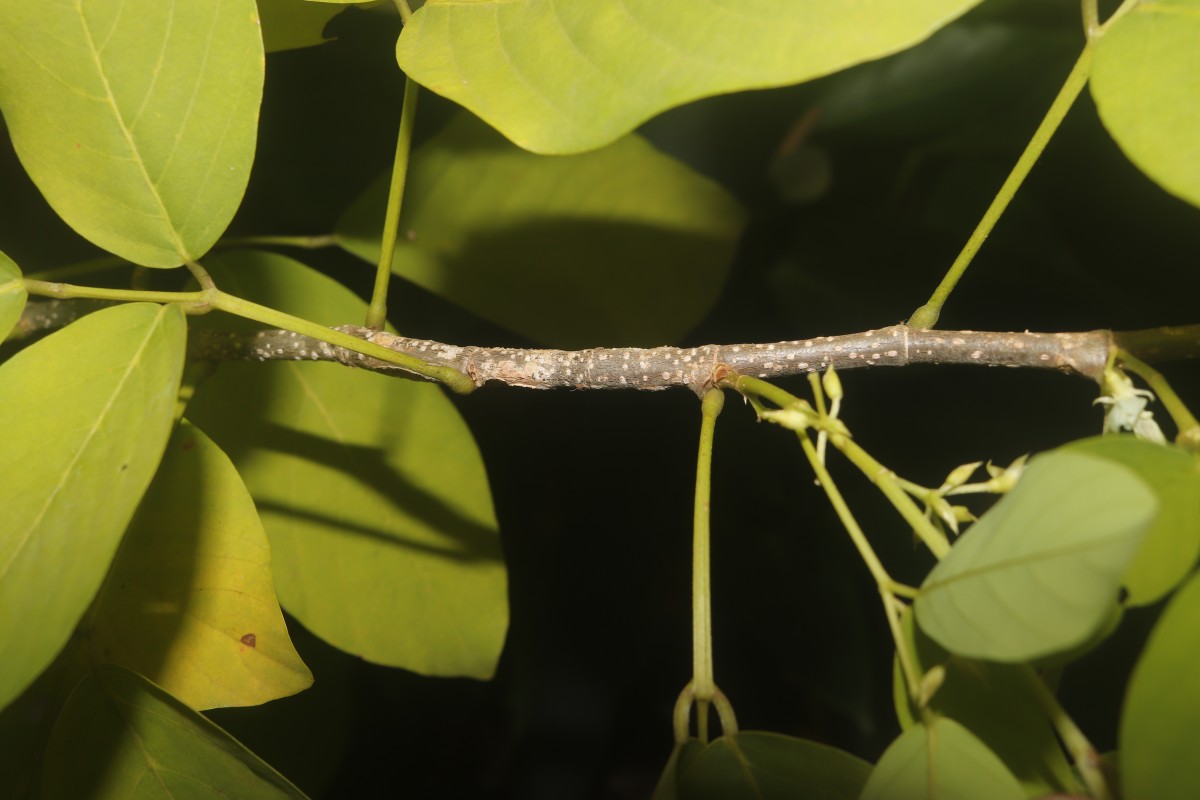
(136,119)
(189,602)
(86,413)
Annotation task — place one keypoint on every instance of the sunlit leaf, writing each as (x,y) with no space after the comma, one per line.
(568,77)
(120,736)
(766,766)
(135,118)
(189,602)
(940,760)
(292,24)
(1172,543)
(1145,80)
(1040,572)
(86,413)
(623,246)
(994,702)
(383,538)
(1162,708)
(12,295)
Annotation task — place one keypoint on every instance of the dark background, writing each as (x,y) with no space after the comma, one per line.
(594,490)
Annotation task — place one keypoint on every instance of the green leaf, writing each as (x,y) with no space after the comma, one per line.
(1171,546)
(940,760)
(1145,81)
(568,77)
(12,295)
(371,488)
(755,764)
(1162,708)
(994,702)
(86,414)
(1039,573)
(682,755)
(293,24)
(573,252)
(135,118)
(189,602)
(120,736)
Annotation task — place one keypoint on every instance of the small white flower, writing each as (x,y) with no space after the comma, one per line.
(1126,408)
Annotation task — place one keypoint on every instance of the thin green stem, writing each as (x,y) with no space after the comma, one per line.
(912,676)
(405,11)
(1083,753)
(891,488)
(305,242)
(888,587)
(1185,421)
(208,299)
(814,381)
(927,315)
(744,384)
(201,275)
(67,291)
(725,715)
(683,708)
(452,378)
(865,551)
(703,686)
(1091,19)
(880,475)
(377,311)
(1122,10)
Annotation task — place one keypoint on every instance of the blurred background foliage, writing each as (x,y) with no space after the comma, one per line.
(861,188)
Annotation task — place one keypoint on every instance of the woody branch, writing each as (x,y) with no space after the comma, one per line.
(1082,353)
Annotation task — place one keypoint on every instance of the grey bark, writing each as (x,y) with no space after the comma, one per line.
(1081,353)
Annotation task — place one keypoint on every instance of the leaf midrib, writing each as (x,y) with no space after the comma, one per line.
(134,361)
(137,159)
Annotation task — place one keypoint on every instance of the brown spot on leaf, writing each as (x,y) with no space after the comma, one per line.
(188,443)
(250,640)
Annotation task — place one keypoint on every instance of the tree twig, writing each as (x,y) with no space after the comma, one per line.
(1081,353)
